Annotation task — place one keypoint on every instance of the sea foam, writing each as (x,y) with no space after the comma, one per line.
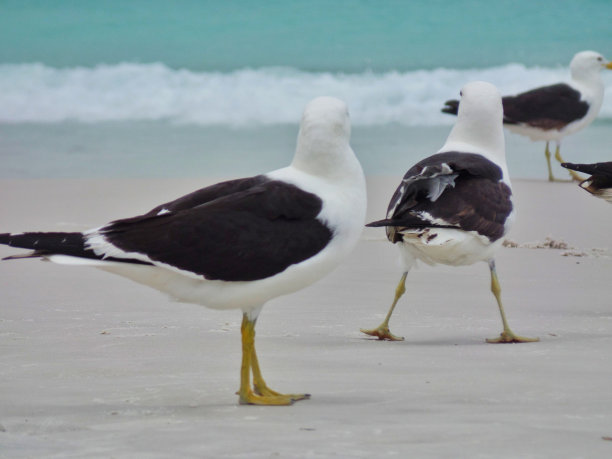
(267,96)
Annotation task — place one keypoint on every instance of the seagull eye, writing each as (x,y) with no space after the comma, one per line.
(600,58)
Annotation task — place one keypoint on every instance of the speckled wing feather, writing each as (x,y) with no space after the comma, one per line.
(450,190)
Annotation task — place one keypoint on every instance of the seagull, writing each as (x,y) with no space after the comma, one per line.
(600,182)
(552,112)
(239,243)
(456,206)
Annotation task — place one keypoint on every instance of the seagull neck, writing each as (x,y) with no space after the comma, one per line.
(327,158)
(472,138)
(589,81)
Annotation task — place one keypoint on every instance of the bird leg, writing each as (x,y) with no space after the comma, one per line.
(551,177)
(382,331)
(575,176)
(261,394)
(261,388)
(507,335)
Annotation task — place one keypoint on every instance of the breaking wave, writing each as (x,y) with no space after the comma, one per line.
(122,92)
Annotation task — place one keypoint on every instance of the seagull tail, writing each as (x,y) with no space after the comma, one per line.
(378,223)
(451,107)
(586,168)
(44,244)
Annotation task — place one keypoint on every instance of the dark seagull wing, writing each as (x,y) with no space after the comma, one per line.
(244,236)
(548,107)
(207,194)
(75,244)
(450,190)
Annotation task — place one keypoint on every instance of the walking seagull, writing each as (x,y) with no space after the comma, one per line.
(455,207)
(552,112)
(240,243)
(600,181)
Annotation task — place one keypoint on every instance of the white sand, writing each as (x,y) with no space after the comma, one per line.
(92,365)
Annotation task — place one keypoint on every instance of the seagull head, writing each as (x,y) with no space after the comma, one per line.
(587,63)
(323,140)
(325,117)
(480,101)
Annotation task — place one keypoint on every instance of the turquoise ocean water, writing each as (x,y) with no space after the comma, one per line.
(186,88)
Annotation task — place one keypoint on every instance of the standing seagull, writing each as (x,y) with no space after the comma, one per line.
(600,182)
(238,244)
(455,207)
(552,112)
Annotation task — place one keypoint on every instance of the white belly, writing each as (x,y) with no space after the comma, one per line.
(446,246)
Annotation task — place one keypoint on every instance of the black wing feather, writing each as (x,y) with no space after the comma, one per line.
(240,230)
(415,184)
(247,235)
(476,200)
(601,173)
(202,196)
(548,107)
(603,169)
(54,243)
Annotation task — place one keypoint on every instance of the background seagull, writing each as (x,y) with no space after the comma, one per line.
(600,182)
(455,207)
(238,244)
(552,112)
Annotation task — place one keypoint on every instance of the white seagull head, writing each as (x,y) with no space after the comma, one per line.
(479,125)
(323,141)
(587,64)
(325,117)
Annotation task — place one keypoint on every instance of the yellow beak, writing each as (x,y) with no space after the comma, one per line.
(609,65)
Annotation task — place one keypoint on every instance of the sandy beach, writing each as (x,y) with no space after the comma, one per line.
(93,365)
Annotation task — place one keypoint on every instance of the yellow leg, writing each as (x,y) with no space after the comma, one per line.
(575,176)
(382,331)
(507,335)
(262,395)
(551,177)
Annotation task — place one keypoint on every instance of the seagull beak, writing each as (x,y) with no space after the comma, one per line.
(609,65)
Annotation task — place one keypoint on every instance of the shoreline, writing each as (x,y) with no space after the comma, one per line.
(160,150)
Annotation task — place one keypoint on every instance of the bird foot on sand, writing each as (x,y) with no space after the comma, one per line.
(508,336)
(267,392)
(272,398)
(382,333)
